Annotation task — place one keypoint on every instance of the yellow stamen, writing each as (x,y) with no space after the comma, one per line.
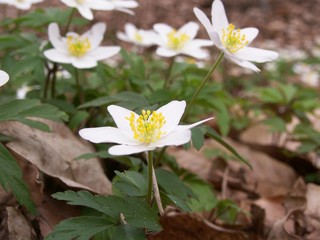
(138,37)
(177,40)
(233,40)
(77,46)
(147,127)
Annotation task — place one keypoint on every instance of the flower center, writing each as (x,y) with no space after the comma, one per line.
(176,40)
(233,40)
(138,37)
(80,1)
(77,46)
(147,127)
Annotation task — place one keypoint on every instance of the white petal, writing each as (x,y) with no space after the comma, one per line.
(242,63)
(251,33)
(125,10)
(190,28)
(119,115)
(56,56)
(202,43)
(217,41)
(172,113)
(175,138)
(163,30)
(106,135)
(100,5)
(256,54)
(122,36)
(85,12)
(55,38)
(204,20)
(187,127)
(101,53)
(126,4)
(130,30)
(70,3)
(84,62)
(95,34)
(165,52)
(120,150)
(4,77)
(195,52)
(218,16)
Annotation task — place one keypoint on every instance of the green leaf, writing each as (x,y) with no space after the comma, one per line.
(81,228)
(276,124)
(128,232)
(197,138)
(173,185)
(135,211)
(130,183)
(205,199)
(11,179)
(213,134)
(21,109)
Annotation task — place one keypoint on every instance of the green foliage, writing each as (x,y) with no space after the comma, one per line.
(22,110)
(11,179)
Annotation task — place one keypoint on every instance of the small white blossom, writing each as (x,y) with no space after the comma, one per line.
(308,74)
(82,51)
(137,36)
(123,5)
(174,42)
(4,77)
(85,7)
(139,133)
(21,4)
(233,42)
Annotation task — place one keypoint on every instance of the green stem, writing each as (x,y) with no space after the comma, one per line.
(53,80)
(168,78)
(195,95)
(69,21)
(79,88)
(150,172)
(202,84)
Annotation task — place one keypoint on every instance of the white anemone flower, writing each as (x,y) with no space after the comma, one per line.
(4,77)
(82,51)
(21,4)
(233,42)
(123,5)
(137,36)
(85,7)
(139,133)
(174,42)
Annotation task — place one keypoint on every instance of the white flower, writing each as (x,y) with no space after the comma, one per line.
(308,73)
(139,133)
(137,36)
(4,77)
(84,6)
(21,4)
(124,5)
(175,42)
(82,51)
(233,42)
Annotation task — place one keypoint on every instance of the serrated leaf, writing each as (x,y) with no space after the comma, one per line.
(11,179)
(131,183)
(80,228)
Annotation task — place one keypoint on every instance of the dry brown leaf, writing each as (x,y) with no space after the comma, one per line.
(190,227)
(18,227)
(54,153)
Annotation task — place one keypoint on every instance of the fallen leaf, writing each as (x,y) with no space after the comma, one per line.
(54,153)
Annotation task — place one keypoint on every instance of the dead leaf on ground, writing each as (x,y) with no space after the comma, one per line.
(54,153)
(18,226)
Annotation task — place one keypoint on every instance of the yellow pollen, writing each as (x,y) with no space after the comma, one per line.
(177,40)
(138,37)
(147,127)
(77,46)
(233,40)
